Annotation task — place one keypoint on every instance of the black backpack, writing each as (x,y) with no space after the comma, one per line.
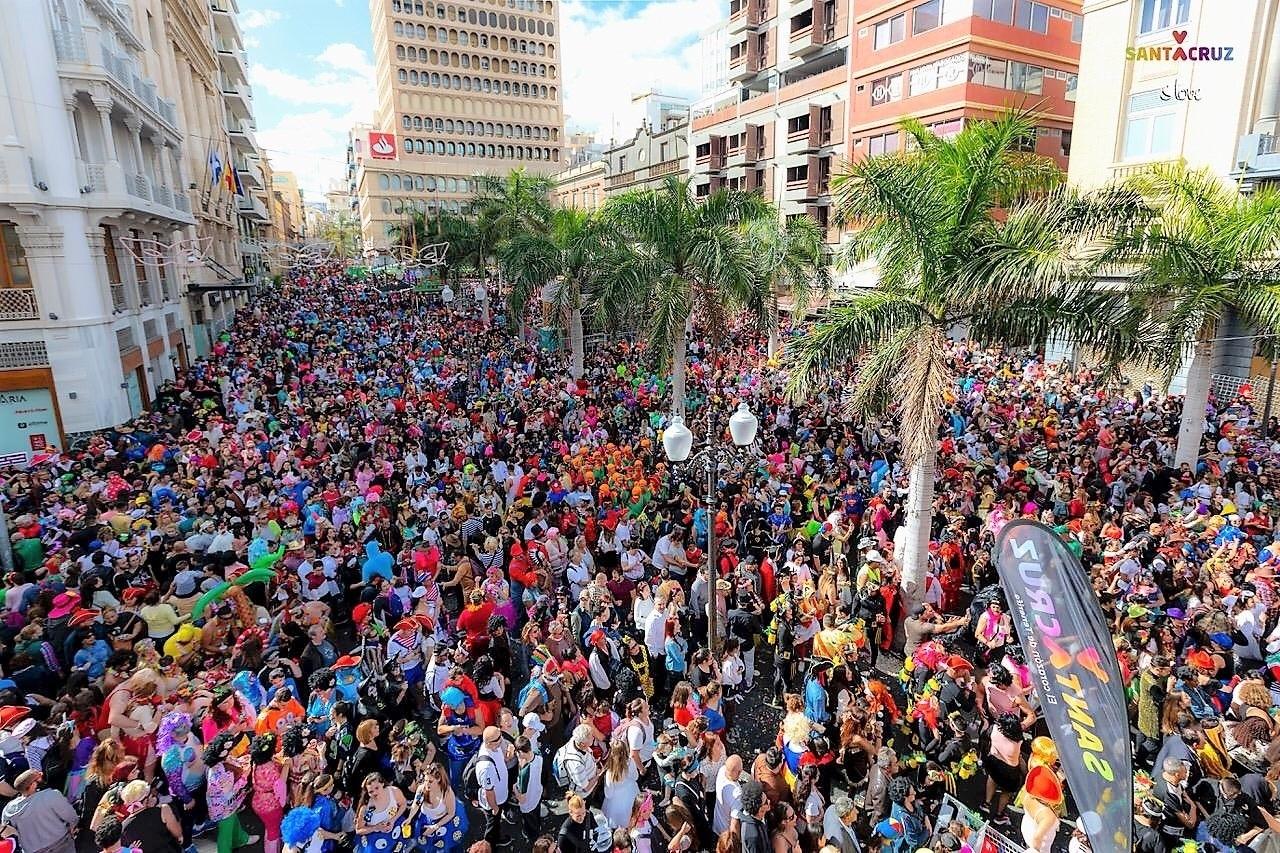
(471,778)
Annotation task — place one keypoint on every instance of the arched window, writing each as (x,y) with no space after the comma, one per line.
(417,183)
(448,81)
(450,148)
(419,146)
(435,80)
(413,77)
(402,75)
(384,181)
(421,30)
(451,185)
(551,29)
(395,182)
(471,149)
(431,147)
(555,155)
(406,121)
(431,184)
(386,205)
(524,25)
(542,28)
(397,28)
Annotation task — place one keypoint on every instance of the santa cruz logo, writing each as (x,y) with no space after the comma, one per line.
(1180,52)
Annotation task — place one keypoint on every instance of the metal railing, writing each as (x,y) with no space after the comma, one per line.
(181,202)
(119,300)
(18,303)
(162,195)
(69,45)
(139,186)
(1266,144)
(95,177)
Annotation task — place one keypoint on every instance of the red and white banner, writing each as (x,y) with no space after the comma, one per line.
(382,146)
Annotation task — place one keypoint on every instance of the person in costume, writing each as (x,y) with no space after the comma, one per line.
(441,822)
(459,728)
(380,813)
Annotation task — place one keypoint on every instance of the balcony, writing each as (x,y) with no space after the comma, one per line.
(251,207)
(18,303)
(231,59)
(1258,156)
(738,16)
(224,19)
(237,98)
(739,70)
(109,188)
(241,133)
(250,175)
(84,58)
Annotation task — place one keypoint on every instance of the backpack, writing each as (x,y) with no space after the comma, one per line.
(559,773)
(620,731)
(471,778)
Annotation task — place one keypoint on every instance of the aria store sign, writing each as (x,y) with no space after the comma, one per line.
(1180,52)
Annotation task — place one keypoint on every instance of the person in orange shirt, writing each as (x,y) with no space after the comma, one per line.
(280,713)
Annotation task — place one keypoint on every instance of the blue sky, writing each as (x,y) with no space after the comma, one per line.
(310,64)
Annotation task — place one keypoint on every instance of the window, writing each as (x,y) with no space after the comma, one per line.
(1163,14)
(663,151)
(890,31)
(1066,143)
(987,70)
(884,90)
(926,16)
(1026,143)
(384,182)
(622,163)
(885,143)
(1149,126)
(1077,28)
(14,271)
(1000,11)
(1026,78)
(1073,82)
(798,174)
(1033,16)
(109,245)
(798,124)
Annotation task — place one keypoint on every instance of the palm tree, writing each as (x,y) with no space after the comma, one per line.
(1208,251)
(688,256)
(786,253)
(577,254)
(343,230)
(968,233)
(507,205)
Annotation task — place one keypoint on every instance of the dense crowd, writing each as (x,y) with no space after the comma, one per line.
(376,575)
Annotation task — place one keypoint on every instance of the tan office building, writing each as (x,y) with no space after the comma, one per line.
(465,88)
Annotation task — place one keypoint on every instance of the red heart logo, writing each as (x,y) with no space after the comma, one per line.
(1179,36)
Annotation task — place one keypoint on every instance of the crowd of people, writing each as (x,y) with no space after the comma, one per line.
(376,575)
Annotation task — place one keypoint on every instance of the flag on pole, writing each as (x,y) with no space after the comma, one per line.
(230,177)
(239,185)
(215,166)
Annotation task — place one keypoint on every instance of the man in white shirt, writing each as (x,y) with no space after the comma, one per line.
(728,793)
(655,642)
(577,762)
(491,773)
(668,554)
(528,787)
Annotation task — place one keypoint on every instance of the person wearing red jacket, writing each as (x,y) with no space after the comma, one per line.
(474,622)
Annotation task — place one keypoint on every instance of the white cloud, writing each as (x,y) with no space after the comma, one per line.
(252,43)
(327,99)
(256,19)
(611,51)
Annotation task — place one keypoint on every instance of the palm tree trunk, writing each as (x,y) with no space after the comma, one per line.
(918,524)
(1191,430)
(773,323)
(678,372)
(577,355)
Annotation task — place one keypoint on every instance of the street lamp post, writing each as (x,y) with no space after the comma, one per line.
(677,443)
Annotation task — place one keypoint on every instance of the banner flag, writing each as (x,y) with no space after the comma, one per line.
(1075,673)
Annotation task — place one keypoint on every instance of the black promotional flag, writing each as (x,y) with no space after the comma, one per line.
(1075,672)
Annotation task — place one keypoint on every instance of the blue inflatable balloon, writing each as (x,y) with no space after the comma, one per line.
(377,563)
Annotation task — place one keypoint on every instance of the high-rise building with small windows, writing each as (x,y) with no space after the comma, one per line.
(465,88)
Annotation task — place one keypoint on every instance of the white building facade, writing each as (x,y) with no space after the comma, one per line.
(93,179)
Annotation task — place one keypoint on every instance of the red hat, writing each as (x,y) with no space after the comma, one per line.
(425,622)
(83,616)
(1043,784)
(596,636)
(407,624)
(551,667)
(1201,659)
(361,612)
(957,662)
(346,661)
(10,714)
